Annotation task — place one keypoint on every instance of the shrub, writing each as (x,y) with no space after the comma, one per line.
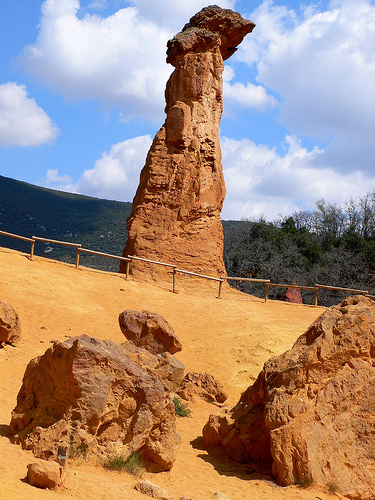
(134,464)
(180,408)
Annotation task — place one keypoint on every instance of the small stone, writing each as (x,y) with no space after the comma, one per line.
(152,490)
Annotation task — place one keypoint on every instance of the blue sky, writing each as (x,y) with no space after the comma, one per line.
(82,95)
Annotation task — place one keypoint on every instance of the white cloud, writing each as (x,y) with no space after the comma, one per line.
(60,182)
(116,174)
(22,121)
(323,68)
(119,59)
(174,13)
(261,182)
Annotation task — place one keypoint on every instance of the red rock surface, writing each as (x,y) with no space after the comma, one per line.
(310,415)
(10,327)
(293,295)
(150,331)
(88,393)
(176,210)
(201,385)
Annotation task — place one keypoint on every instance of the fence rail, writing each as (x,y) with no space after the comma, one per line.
(176,269)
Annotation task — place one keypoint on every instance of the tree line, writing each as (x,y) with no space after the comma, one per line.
(330,245)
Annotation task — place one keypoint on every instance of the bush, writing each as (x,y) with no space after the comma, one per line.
(180,408)
(134,464)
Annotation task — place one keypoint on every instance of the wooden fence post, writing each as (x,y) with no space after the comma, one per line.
(316,297)
(220,284)
(174,279)
(266,297)
(77,259)
(32,250)
(127,268)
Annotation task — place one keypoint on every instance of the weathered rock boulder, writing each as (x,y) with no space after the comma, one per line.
(87,392)
(43,474)
(163,366)
(311,411)
(201,385)
(293,295)
(176,210)
(10,327)
(149,331)
(153,490)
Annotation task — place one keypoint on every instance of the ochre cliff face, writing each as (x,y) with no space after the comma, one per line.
(176,210)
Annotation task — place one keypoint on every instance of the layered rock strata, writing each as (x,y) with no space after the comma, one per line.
(310,415)
(176,210)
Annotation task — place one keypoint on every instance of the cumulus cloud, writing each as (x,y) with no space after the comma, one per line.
(60,182)
(119,59)
(246,95)
(176,14)
(116,174)
(262,182)
(322,66)
(22,121)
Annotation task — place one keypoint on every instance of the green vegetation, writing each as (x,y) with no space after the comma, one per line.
(331,245)
(80,451)
(181,409)
(305,481)
(29,210)
(134,464)
(332,487)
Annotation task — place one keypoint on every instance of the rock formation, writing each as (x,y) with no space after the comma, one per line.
(311,412)
(88,393)
(10,328)
(43,474)
(176,210)
(201,385)
(150,331)
(293,295)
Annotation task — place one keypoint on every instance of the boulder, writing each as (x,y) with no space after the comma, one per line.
(176,210)
(43,474)
(310,413)
(163,366)
(201,385)
(149,331)
(152,490)
(87,392)
(10,327)
(293,295)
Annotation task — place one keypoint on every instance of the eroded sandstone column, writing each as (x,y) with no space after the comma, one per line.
(176,210)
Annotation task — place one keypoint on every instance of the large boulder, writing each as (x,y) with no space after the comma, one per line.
(150,331)
(10,327)
(311,412)
(176,209)
(163,366)
(43,474)
(88,392)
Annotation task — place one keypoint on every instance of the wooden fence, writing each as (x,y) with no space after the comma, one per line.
(177,270)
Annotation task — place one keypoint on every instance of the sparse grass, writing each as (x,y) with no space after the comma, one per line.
(180,408)
(133,464)
(305,481)
(79,451)
(332,487)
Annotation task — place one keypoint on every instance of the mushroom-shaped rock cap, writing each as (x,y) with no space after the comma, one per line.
(209,27)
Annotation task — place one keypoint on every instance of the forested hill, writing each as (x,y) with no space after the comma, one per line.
(29,210)
(331,245)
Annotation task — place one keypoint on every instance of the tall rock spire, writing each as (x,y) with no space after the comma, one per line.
(176,210)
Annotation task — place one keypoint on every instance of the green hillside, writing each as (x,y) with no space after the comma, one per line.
(29,210)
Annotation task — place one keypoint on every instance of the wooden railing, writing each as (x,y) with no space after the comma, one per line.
(177,270)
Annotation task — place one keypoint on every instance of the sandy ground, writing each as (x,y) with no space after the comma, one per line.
(230,338)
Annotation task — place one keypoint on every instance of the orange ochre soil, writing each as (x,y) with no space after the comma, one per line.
(230,338)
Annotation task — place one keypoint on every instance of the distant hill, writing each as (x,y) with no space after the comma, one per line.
(29,210)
